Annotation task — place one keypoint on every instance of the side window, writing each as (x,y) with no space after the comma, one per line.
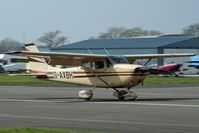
(94,65)
(108,63)
(15,60)
(88,65)
(99,64)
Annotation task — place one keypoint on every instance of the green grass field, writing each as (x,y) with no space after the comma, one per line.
(171,80)
(7,79)
(43,130)
(20,80)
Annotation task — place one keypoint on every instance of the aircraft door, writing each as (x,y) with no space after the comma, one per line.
(97,66)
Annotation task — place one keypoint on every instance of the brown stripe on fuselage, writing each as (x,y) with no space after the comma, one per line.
(88,72)
(84,76)
(101,74)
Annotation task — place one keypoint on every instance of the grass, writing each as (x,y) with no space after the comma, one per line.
(171,80)
(42,130)
(25,80)
(7,79)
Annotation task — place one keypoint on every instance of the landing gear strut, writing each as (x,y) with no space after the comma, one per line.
(125,94)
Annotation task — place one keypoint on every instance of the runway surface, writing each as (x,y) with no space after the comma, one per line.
(158,109)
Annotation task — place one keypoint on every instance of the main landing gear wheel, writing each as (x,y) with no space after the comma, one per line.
(86,94)
(123,94)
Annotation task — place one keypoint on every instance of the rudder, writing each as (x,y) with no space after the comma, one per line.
(35,65)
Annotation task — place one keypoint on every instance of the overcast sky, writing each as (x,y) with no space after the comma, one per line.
(27,20)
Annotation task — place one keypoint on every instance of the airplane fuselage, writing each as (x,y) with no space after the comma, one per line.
(117,76)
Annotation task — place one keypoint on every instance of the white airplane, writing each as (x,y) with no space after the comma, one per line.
(93,70)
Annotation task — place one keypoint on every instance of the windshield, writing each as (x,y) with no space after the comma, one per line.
(118,60)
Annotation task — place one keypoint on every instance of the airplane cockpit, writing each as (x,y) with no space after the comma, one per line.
(105,63)
(94,65)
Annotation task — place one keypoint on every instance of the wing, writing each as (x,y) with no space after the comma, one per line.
(132,58)
(73,59)
(55,58)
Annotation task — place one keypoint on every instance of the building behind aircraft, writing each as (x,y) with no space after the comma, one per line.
(140,45)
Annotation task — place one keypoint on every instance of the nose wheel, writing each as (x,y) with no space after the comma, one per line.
(125,95)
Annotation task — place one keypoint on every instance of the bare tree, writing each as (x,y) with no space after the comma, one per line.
(9,44)
(53,38)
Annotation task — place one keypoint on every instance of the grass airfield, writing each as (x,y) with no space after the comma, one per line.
(6,79)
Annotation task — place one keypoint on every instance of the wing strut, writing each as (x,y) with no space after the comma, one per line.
(147,62)
(106,51)
(97,76)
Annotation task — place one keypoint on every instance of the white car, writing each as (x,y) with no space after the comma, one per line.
(12,63)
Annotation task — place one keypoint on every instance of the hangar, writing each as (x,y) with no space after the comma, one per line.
(141,45)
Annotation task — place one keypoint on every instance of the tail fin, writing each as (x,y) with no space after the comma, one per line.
(31,47)
(36,65)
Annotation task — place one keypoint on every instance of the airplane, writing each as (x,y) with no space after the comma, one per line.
(98,71)
(170,69)
(194,62)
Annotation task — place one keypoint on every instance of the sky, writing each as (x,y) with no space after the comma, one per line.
(27,20)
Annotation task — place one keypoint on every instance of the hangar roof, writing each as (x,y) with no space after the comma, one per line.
(168,41)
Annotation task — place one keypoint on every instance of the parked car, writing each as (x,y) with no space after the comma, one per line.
(12,63)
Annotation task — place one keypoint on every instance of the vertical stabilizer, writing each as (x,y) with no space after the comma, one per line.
(31,47)
(36,65)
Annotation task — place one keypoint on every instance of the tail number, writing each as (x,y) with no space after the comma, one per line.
(63,75)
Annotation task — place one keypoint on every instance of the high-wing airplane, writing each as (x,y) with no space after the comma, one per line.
(104,71)
(165,69)
(194,62)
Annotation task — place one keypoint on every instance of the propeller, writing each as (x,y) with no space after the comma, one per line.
(141,70)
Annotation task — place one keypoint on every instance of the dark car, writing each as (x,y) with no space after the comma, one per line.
(1,69)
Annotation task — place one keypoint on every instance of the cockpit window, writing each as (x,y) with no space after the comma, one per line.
(118,60)
(94,65)
(99,64)
(108,63)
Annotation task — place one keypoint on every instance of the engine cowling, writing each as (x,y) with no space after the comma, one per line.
(141,70)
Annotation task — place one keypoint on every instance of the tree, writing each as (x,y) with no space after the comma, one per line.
(113,32)
(9,44)
(192,30)
(121,32)
(134,32)
(53,38)
(154,33)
